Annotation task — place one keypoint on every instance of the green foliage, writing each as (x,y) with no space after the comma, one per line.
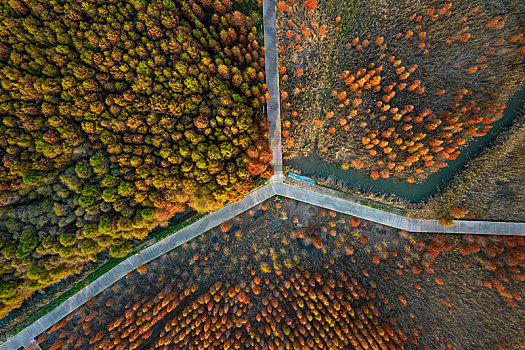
(27,244)
(36,272)
(7,289)
(89,247)
(59,209)
(114,116)
(109,181)
(147,214)
(90,191)
(86,202)
(34,178)
(90,230)
(125,189)
(67,239)
(84,170)
(226,150)
(110,195)
(120,250)
(105,225)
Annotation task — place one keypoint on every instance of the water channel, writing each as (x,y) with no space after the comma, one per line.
(314,166)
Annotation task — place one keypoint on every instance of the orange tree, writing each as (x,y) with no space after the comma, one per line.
(408,86)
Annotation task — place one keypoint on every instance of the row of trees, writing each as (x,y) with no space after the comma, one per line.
(181,299)
(368,286)
(115,116)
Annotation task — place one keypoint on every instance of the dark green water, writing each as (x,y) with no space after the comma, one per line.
(314,166)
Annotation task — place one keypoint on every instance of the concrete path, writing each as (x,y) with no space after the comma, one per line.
(337,204)
(400,222)
(272,80)
(26,336)
(33,346)
(276,187)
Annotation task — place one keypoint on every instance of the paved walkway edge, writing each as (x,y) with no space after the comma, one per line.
(26,336)
(400,222)
(272,80)
(226,213)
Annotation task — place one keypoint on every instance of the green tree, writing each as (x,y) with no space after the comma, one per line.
(28,242)
(7,289)
(120,250)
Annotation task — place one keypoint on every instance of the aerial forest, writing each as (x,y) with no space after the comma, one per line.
(114,116)
(301,277)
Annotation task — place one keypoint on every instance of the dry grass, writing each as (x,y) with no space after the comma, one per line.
(491,187)
(396,88)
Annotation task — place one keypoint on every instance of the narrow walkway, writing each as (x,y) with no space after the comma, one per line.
(27,335)
(281,189)
(397,221)
(337,204)
(272,80)
(276,187)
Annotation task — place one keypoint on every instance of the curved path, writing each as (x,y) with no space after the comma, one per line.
(276,187)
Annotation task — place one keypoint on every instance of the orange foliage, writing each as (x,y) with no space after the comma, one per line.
(317,242)
(307,33)
(310,5)
(465,36)
(516,37)
(226,226)
(416,269)
(357,163)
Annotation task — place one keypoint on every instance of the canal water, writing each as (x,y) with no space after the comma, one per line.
(314,166)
